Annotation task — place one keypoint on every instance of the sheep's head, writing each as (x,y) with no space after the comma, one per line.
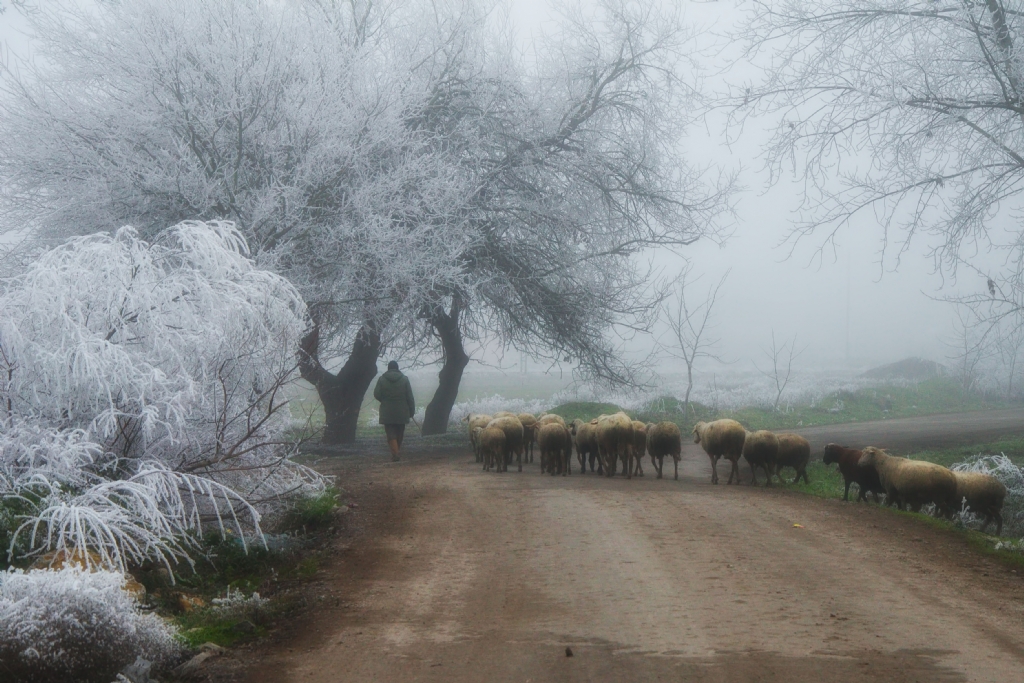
(871,456)
(697,429)
(831,454)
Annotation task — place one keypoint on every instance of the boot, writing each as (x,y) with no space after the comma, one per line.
(393,445)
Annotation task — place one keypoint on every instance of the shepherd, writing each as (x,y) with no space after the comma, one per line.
(397,406)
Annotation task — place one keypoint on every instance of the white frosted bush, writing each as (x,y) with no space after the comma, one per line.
(143,387)
(492,404)
(1012,477)
(73,625)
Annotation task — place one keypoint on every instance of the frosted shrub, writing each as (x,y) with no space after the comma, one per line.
(236,604)
(143,391)
(73,625)
(492,404)
(1012,477)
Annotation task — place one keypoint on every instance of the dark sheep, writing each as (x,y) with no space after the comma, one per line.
(866,478)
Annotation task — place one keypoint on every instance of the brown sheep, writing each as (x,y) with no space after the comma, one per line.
(983,494)
(492,447)
(913,482)
(761,449)
(639,446)
(529,434)
(795,452)
(585,436)
(476,420)
(555,443)
(664,439)
(615,441)
(549,418)
(721,438)
(513,429)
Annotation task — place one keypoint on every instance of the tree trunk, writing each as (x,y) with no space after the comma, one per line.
(341,394)
(439,410)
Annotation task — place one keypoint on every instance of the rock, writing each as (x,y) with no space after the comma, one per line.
(138,672)
(244,627)
(189,603)
(568,652)
(193,665)
(212,647)
(86,559)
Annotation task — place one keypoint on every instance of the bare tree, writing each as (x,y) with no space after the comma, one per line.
(780,372)
(690,325)
(930,92)
(576,169)
(970,345)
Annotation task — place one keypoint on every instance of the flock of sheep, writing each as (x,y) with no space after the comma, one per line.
(606,440)
(609,439)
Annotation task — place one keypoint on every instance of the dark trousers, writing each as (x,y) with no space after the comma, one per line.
(396,432)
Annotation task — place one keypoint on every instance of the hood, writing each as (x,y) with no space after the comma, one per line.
(392,376)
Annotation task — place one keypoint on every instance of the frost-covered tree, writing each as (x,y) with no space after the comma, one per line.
(143,386)
(907,110)
(419,181)
(289,119)
(572,155)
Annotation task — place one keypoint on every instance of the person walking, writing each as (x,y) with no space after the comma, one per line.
(397,406)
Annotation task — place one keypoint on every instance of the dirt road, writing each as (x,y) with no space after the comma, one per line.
(452,574)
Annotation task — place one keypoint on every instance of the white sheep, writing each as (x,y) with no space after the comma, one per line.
(721,438)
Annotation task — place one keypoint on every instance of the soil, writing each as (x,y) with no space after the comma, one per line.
(447,573)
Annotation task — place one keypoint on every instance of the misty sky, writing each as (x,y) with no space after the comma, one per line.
(890,313)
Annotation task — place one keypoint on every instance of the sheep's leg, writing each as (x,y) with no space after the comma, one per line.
(753,474)
(628,462)
(714,469)
(846,493)
(658,464)
(767,476)
(675,461)
(734,470)
(999,522)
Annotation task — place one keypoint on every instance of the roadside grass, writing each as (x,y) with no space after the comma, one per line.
(934,396)
(827,482)
(226,567)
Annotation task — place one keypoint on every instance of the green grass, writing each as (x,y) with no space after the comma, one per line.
(934,396)
(827,482)
(205,626)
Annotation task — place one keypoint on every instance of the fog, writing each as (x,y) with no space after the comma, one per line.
(847,307)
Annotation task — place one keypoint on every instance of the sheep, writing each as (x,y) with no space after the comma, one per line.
(555,442)
(761,449)
(721,438)
(529,434)
(664,439)
(513,429)
(585,436)
(639,446)
(795,452)
(503,413)
(983,494)
(866,478)
(615,441)
(492,447)
(912,482)
(548,418)
(476,420)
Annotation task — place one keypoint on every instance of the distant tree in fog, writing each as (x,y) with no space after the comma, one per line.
(780,369)
(908,110)
(690,326)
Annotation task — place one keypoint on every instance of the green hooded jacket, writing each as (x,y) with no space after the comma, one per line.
(397,406)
